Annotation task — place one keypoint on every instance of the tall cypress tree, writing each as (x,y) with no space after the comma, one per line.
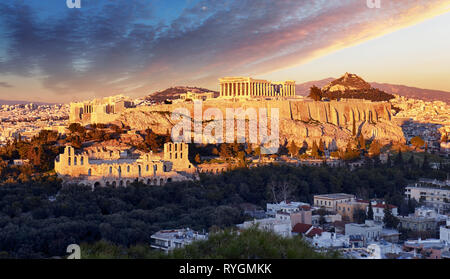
(354,129)
(370,212)
(399,159)
(426,164)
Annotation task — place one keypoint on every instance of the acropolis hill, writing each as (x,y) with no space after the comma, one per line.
(300,119)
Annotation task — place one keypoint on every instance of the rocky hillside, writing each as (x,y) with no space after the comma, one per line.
(302,89)
(347,82)
(174,93)
(331,122)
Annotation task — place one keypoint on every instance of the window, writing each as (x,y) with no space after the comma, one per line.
(110,170)
(128,168)
(75,161)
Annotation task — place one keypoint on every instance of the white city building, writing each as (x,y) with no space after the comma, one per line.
(280,227)
(330,201)
(378,210)
(432,192)
(444,234)
(287,207)
(167,240)
(369,230)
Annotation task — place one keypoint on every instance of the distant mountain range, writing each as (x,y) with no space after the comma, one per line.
(402,90)
(15,102)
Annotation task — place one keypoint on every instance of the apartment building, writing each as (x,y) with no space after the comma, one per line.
(330,201)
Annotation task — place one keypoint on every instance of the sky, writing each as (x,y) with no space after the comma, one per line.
(50,53)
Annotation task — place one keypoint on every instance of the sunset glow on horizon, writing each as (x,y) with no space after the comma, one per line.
(51,53)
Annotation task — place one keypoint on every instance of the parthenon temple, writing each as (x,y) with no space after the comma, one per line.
(245,87)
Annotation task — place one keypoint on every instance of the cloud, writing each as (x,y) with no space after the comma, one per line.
(5,84)
(126,46)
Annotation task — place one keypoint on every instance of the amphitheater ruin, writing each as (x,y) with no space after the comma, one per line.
(102,167)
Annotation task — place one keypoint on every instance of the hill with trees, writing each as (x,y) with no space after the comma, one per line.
(251,243)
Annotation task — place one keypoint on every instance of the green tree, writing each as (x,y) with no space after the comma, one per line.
(411,161)
(293,149)
(321,147)
(225,151)
(417,142)
(362,142)
(375,148)
(426,164)
(370,212)
(399,159)
(76,128)
(249,149)
(315,150)
(359,215)
(315,93)
(389,220)
(197,159)
(354,128)
(242,162)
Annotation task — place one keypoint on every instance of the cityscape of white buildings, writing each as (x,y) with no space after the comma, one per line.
(27,120)
(428,120)
(326,229)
